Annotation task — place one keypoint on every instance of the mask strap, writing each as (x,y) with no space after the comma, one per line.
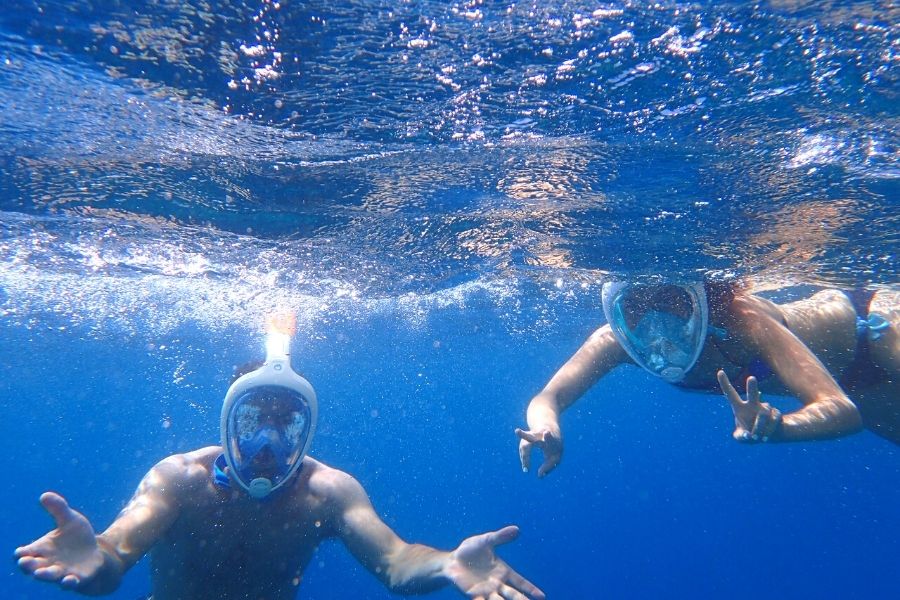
(220,477)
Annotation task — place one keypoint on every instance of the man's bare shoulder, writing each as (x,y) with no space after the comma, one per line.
(330,483)
(187,470)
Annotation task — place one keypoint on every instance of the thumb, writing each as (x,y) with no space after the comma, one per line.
(503,536)
(530,436)
(58,508)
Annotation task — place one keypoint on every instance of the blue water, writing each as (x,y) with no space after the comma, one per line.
(438,190)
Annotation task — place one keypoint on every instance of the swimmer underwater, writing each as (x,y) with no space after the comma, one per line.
(837,353)
(243,520)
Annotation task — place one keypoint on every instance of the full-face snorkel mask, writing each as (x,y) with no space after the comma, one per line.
(268,419)
(662,327)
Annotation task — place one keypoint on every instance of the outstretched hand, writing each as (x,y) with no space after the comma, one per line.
(476,570)
(550,444)
(754,420)
(68,555)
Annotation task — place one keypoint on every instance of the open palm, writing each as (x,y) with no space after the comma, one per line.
(69,554)
(481,575)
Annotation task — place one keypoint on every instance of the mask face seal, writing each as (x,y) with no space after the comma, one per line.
(661,327)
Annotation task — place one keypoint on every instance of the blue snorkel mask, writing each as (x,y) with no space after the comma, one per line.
(268,420)
(662,327)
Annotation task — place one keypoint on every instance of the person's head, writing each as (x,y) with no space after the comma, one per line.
(662,326)
(720,292)
(268,421)
(242,369)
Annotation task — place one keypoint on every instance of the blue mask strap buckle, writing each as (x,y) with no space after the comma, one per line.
(220,477)
(874,326)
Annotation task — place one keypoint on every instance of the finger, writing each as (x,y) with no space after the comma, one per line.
(754,429)
(70,581)
(495,596)
(31,563)
(730,393)
(503,536)
(29,550)
(741,435)
(760,425)
(752,390)
(525,454)
(765,424)
(529,436)
(58,508)
(51,573)
(524,586)
(550,463)
(511,593)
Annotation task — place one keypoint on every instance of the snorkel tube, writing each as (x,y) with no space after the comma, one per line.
(275,373)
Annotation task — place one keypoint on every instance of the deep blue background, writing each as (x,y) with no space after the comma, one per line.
(653,497)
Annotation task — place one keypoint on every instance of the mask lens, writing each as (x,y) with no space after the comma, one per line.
(267,431)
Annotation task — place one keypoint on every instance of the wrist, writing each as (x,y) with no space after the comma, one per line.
(448,569)
(543,416)
(418,569)
(775,434)
(109,573)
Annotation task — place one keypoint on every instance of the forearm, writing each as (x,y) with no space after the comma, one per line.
(416,569)
(825,419)
(596,357)
(108,576)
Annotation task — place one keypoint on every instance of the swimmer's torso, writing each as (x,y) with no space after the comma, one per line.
(825,323)
(228,546)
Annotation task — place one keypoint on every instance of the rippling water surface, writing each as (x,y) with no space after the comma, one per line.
(368,150)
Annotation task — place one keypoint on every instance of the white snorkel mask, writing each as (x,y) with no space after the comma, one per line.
(662,327)
(268,419)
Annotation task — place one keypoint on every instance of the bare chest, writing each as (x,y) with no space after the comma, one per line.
(237,550)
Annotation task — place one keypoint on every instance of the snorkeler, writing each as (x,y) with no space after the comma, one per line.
(704,336)
(243,520)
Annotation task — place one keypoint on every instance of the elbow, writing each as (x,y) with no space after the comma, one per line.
(827,419)
(850,417)
(842,418)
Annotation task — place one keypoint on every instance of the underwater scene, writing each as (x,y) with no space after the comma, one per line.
(622,275)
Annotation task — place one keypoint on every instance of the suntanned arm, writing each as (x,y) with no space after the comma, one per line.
(595,358)
(827,411)
(72,556)
(417,569)
(402,567)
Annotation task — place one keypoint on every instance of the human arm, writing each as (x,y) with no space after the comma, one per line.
(75,558)
(594,359)
(827,412)
(415,568)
